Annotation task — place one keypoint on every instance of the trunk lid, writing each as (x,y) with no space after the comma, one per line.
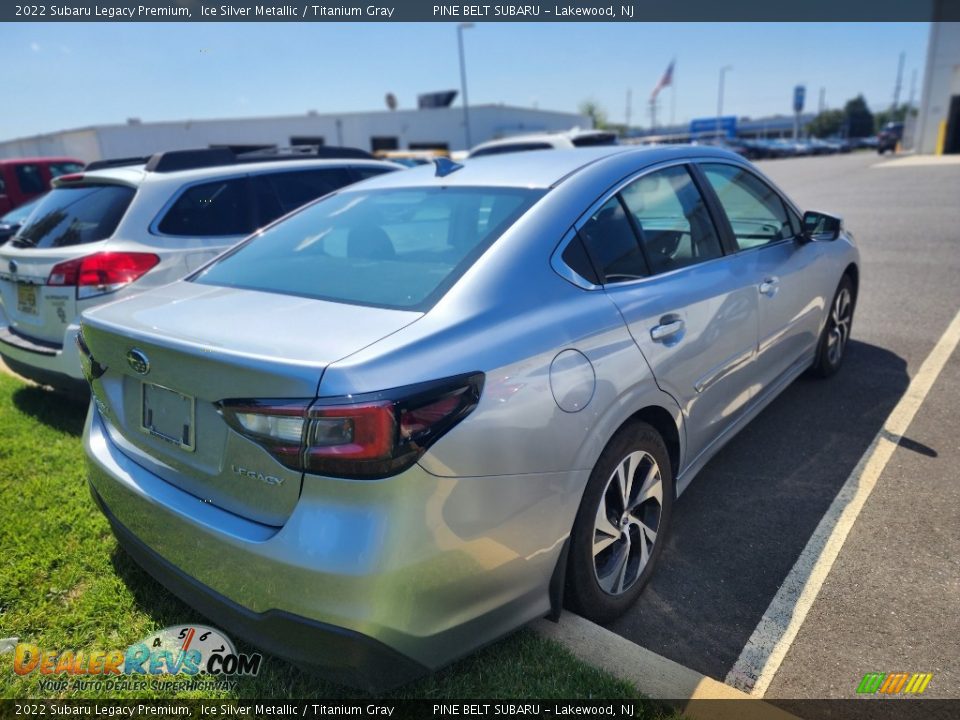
(204,344)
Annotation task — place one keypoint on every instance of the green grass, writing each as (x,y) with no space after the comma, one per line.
(64,583)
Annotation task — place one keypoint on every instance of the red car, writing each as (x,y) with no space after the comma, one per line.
(22,179)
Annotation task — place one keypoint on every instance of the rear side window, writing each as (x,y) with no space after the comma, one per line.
(396,248)
(755,211)
(613,245)
(210,209)
(29,179)
(672,220)
(75,216)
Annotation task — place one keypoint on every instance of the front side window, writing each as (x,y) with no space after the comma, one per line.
(29,179)
(210,210)
(365,172)
(594,139)
(75,216)
(294,189)
(671,217)
(396,248)
(755,210)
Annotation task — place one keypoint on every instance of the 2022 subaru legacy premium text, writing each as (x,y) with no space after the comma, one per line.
(429,408)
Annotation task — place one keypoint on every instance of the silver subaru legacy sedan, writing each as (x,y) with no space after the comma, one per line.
(397,424)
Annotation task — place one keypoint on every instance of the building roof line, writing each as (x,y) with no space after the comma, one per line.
(311,114)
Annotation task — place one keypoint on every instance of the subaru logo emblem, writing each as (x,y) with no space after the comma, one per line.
(138,361)
(12,265)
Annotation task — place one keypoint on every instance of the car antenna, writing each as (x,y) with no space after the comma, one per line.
(445,166)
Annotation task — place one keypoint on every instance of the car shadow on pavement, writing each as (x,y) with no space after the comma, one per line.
(59,411)
(743,522)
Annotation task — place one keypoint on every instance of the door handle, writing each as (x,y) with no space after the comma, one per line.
(666,330)
(770,286)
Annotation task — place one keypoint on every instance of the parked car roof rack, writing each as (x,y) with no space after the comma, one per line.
(116,162)
(174,160)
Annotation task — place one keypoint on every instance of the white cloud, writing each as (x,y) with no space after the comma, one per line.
(35,46)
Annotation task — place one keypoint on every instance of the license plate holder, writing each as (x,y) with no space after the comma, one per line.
(168,415)
(27,299)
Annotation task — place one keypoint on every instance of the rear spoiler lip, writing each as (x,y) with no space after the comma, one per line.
(94,179)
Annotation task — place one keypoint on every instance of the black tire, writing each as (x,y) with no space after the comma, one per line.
(828,360)
(584,592)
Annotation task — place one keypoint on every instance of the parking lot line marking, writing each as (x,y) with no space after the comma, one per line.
(768,645)
(654,675)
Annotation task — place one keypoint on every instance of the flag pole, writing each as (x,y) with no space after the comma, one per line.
(673,94)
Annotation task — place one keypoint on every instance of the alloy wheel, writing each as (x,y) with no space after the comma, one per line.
(841,316)
(627,522)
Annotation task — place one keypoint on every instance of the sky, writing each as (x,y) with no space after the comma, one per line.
(68,75)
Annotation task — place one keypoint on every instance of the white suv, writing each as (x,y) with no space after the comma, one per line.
(124,226)
(545,141)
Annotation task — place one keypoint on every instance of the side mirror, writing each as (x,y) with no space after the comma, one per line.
(820,226)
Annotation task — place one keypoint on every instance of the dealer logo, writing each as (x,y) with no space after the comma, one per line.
(179,650)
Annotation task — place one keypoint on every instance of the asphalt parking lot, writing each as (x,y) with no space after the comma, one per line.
(891,602)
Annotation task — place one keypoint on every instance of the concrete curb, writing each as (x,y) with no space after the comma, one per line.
(654,675)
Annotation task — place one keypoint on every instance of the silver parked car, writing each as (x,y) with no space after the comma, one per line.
(436,405)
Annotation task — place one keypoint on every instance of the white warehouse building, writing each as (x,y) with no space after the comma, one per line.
(418,129)
(938,123)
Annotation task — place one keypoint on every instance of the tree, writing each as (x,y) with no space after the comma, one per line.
(898,114)
(595,111)
(826,124)
(858,120)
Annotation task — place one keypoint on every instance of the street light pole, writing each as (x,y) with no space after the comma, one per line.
(463,81)
(723,72)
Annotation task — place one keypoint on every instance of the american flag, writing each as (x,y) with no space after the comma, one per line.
(667,79)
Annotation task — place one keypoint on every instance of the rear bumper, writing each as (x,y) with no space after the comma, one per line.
(405,574)
(42,362)
(359,659)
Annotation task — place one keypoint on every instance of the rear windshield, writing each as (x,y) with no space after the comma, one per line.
(75,216)
(396,248)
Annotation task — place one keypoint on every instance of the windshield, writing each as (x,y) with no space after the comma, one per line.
(75,216)
(396,248)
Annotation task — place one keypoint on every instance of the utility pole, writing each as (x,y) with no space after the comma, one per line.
(723,72)
(629,107)
(463,82)
(913,88)
(823,100)
(896,88)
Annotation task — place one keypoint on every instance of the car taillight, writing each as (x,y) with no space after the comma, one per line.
(101,273)
(363,436)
